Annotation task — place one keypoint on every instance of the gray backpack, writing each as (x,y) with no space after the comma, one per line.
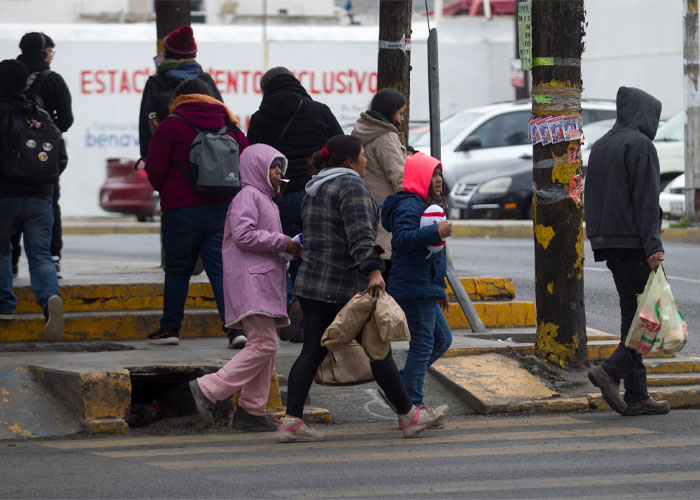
(214,162)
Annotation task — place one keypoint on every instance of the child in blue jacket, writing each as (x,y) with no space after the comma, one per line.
(417,278)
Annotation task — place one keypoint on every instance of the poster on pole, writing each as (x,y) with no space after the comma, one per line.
(525,34)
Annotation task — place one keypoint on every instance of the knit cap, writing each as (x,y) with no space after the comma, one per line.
(180,42)
(34,42)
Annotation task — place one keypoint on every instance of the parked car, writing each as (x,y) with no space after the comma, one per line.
(672,198)
(127,190)
(505,194)
(490,137)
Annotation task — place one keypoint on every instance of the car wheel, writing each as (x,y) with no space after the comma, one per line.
(142,218)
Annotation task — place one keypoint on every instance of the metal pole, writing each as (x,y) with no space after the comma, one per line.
(691,63)
(434,104)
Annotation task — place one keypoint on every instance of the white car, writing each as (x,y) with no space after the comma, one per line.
(672,198)
(489,137)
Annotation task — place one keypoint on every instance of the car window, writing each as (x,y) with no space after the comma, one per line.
(673,130)
(450,127)
(596,115)
(508,129)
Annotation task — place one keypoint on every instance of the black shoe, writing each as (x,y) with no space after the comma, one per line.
(244,421)
(610,391)
(649,406)
(295,317)
(204,407)
(164,336)
(236,339)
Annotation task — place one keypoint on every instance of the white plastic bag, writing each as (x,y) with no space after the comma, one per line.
(675,329)
(643,335)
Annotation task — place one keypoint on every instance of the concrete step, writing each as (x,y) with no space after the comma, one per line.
(675,365)
(495,314)
(670,379)
(599,350)
(111,325)
(137,296)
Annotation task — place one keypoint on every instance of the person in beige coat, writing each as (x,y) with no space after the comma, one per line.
(378,129)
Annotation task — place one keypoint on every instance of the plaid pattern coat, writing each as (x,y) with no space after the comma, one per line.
(340,228)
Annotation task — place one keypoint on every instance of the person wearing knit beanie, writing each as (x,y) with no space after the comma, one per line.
(13,78)
(35,43)
(180,44)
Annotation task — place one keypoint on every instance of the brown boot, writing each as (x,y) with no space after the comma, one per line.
(649,406)
(610,390)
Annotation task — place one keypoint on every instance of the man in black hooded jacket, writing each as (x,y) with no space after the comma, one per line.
(297,126)
(623,224)
(37,55)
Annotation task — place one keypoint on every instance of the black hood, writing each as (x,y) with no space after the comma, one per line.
(282,96)
(638,110)
(34,62)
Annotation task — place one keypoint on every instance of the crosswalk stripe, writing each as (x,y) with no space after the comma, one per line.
(423,454)
(351,431)
(425,440)
(503,484)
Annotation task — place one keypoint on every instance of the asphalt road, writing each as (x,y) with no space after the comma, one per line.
(592,455)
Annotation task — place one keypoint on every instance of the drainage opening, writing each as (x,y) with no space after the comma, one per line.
(161,395)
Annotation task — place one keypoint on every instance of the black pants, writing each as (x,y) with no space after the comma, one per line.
(56,232)
(625,364)
(317,316)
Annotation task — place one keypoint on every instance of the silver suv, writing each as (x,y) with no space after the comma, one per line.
(488,137)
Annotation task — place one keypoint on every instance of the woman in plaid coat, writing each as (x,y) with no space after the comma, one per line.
(340,259)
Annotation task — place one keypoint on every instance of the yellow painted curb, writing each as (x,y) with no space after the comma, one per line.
(120,297)
(679,364)
(485,289)
(666,380)
(105,426)
(91,395)
(679,397)
(686,234)
(494,314)
(95,229)
(601,350)
(112,326)
(311,415)
(473,351)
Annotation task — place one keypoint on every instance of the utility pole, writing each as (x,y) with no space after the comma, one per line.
(557,45)
(170,15)
(394,58)
(692,110)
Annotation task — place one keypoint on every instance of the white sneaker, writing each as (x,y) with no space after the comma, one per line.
(417,420)
(237,341)
(54,319)
(293,429)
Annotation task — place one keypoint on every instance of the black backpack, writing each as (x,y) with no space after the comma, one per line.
(33,90)
(163,94)
(32,145)
(214,162)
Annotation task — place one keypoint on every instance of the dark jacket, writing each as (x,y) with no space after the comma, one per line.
(171,143)
(622,180)
(53,92)
(10,189)
(415,274)
(340,225)
(311,128)
(166,80)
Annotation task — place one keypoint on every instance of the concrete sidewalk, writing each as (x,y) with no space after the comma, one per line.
(462,228)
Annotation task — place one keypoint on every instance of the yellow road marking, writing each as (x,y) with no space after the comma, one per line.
(504,485)
(232,437)
(422,454)
(444,438)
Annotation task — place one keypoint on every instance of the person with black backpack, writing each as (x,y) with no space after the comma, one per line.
(51,92)
(192,161)
(32,156)
(178,65)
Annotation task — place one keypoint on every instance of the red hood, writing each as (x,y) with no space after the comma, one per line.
(417,174)
(203,114)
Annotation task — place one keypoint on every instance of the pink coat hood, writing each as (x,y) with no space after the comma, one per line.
(417,174)
(255,167)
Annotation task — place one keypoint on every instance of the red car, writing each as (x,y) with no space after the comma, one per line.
(127,190)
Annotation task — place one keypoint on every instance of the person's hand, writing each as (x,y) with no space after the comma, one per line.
(444,304)
(376,282)
(655,260)
(445,229)
(293,248)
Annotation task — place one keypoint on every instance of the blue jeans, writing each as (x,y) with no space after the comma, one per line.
(187,233)
(34,217)
(430,338)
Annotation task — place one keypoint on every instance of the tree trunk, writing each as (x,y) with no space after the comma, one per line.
(170,15)
(394,59)
(557,32)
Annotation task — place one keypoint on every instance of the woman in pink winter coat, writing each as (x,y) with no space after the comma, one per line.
(255,291)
